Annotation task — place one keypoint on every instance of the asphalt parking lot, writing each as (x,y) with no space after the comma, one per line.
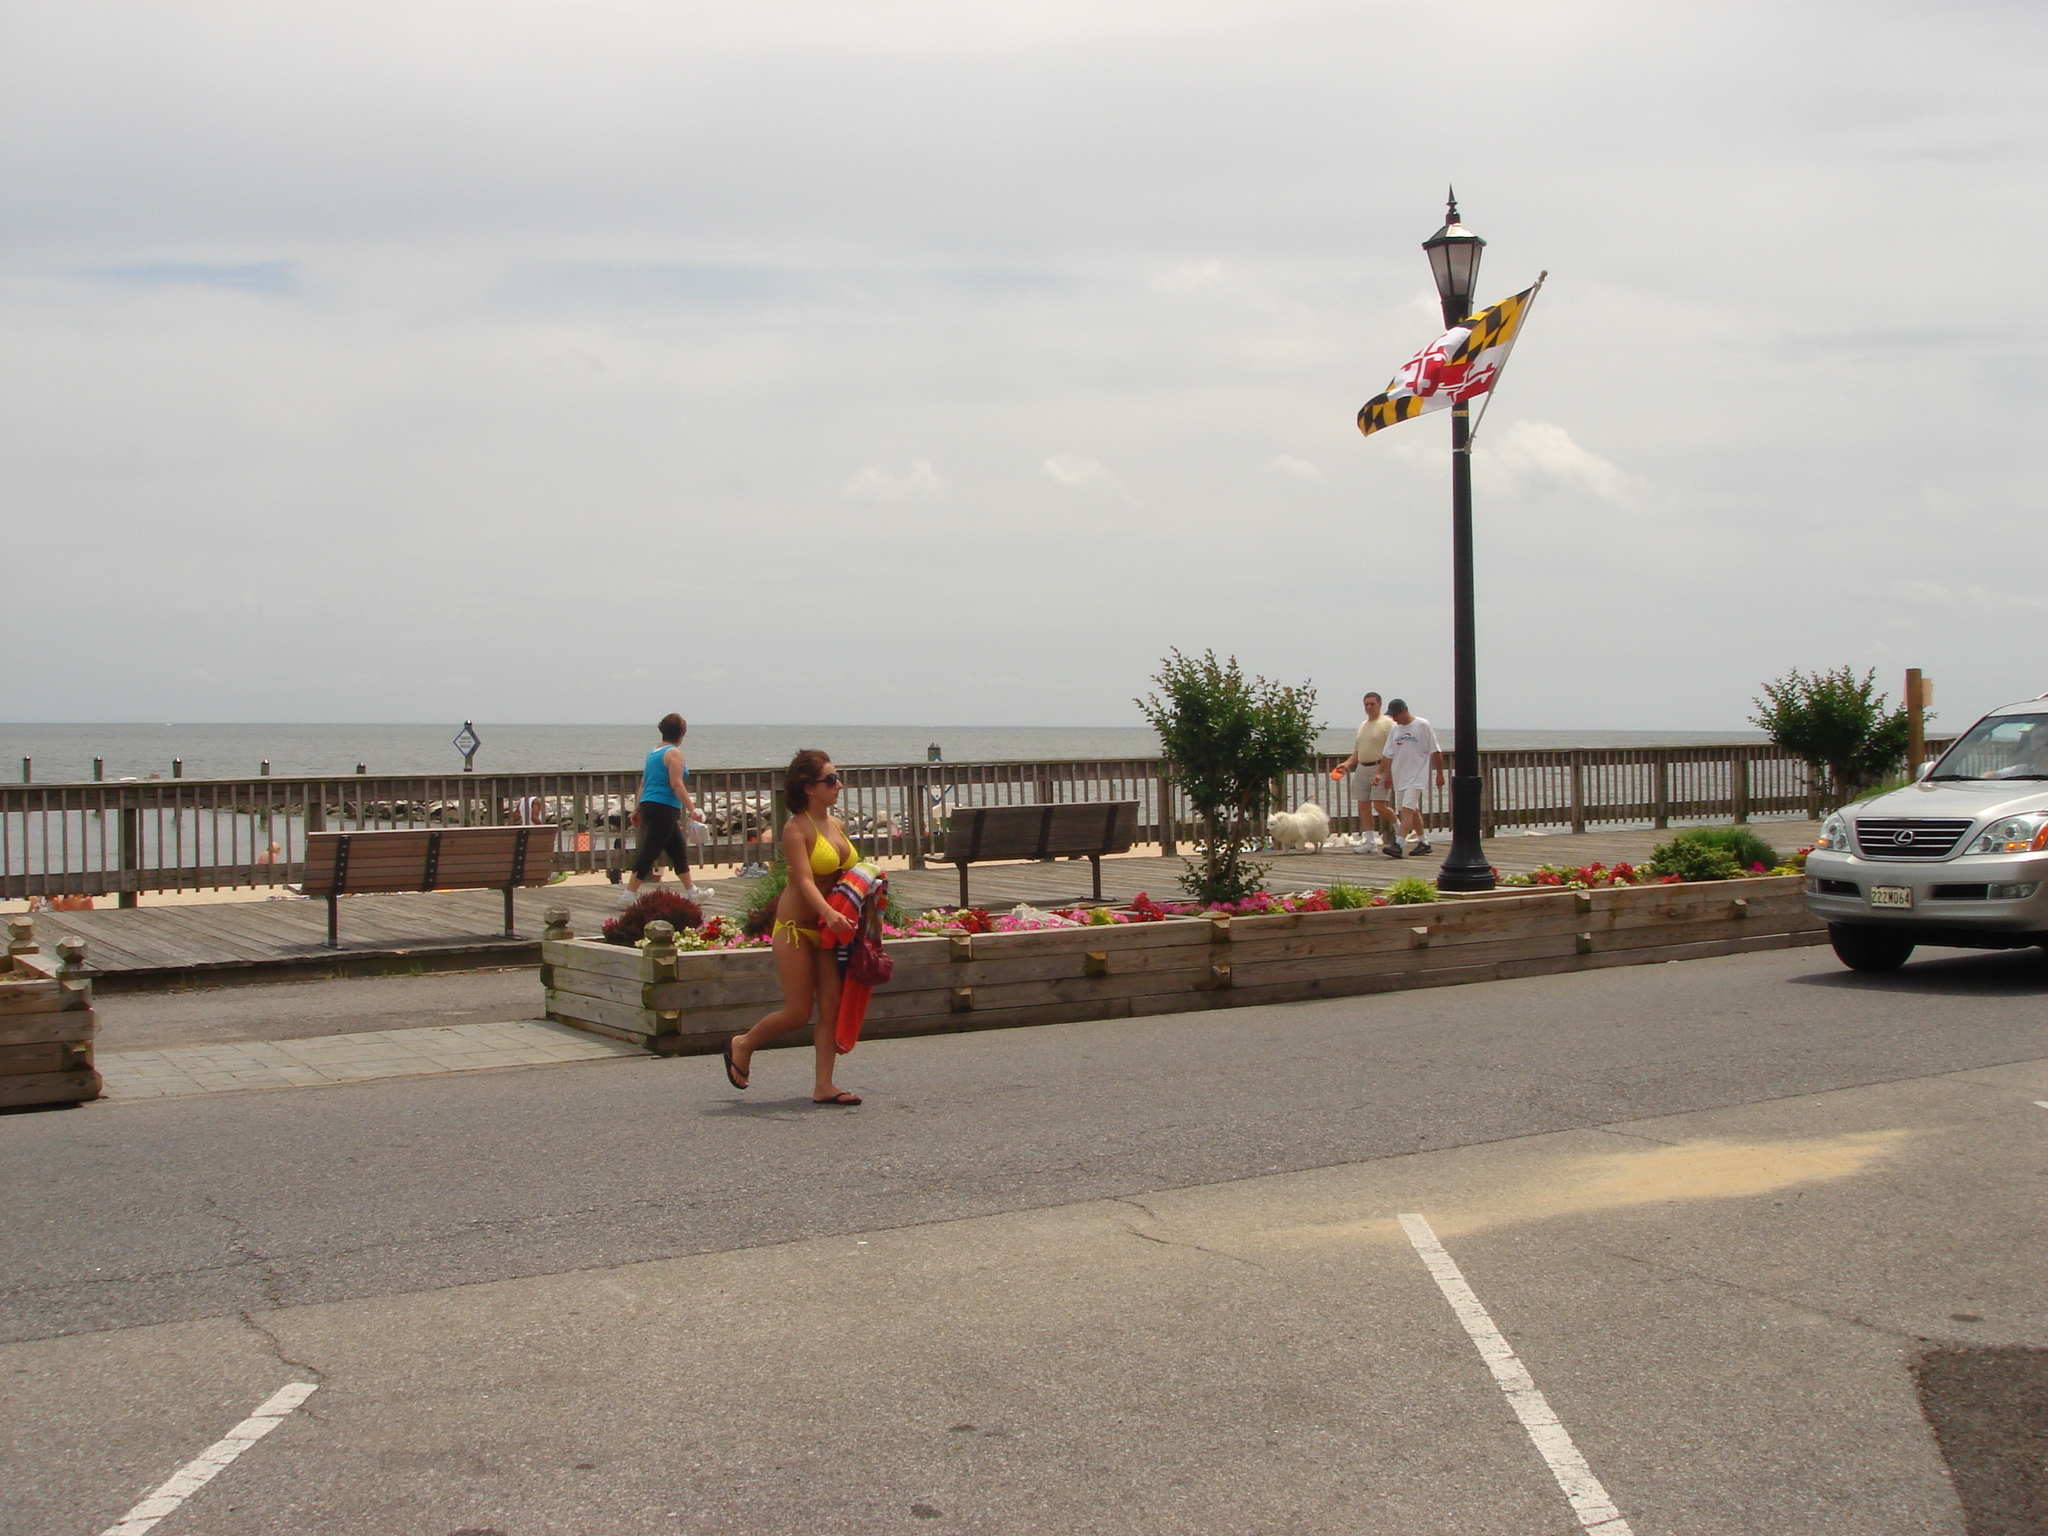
(1739,1245)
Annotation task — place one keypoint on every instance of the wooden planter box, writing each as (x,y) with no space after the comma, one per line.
(46,1023)
(673,1001)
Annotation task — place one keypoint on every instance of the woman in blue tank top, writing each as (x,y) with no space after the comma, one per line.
(664,801)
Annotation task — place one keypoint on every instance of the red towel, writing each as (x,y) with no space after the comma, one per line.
(860,894)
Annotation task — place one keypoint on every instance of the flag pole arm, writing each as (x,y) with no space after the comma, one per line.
(1520,325)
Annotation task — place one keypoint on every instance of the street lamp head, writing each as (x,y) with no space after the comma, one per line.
(1454,261)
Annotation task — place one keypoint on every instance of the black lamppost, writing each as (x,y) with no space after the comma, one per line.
(1454,259)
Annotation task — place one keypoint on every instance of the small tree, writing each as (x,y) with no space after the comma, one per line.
(1227,738)
(1837,724)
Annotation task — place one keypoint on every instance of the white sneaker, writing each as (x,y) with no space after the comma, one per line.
(698,893)
(627,895)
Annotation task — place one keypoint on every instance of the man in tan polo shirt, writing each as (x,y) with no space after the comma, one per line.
(1364,767)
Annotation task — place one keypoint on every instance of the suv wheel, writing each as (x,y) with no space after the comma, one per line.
(1863,948)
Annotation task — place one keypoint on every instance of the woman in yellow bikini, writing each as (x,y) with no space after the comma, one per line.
(817,850)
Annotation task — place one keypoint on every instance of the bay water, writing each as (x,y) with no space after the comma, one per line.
(64,753)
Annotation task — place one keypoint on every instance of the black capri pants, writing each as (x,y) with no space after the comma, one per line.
(661,832)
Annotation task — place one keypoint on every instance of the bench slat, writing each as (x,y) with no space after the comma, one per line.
(448,858)
(1067,830)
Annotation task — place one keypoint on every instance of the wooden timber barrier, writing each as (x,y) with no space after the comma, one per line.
(675,1001)
(47,1024)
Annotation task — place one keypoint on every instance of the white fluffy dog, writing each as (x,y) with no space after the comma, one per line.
(1306,826)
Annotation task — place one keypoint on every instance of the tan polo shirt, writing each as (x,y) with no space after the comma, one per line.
(1371,745)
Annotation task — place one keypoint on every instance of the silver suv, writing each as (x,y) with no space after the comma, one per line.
(1959,857)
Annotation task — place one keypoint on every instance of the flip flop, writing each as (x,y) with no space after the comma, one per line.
(842,1097)
(732,1072)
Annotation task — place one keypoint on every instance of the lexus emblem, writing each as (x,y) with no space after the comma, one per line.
(1903,837)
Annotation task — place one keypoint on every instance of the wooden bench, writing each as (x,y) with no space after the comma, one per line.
(342,864)
(1078,829)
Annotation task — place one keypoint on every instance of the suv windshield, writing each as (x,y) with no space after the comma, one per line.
(1999,747)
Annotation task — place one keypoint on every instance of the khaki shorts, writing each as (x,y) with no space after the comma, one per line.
(1408,799)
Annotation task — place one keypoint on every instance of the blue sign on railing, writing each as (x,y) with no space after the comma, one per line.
(466,742)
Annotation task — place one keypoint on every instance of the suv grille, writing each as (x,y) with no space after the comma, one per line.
(1909,837)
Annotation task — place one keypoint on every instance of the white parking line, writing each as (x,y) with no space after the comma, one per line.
(211,1462)
(1589,1500)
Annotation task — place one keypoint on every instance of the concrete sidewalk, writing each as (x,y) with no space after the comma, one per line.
(351,1058)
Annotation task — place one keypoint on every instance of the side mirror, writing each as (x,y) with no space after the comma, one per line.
(1925,769)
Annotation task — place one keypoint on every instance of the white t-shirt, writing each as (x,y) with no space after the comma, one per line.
(1408,751)
(1371,744)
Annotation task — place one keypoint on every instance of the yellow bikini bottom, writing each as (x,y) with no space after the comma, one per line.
(800,932)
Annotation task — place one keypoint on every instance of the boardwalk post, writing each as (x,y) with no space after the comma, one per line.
(1738,776)
(916,803)
(1169,844)
(1916,721)
(130,856)
(1662,809)
(1578,792)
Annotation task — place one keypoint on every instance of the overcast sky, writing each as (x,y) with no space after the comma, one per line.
(900,362)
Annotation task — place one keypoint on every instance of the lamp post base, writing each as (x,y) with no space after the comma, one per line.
(1466,867)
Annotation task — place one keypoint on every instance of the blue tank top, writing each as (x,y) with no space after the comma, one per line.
(654,782)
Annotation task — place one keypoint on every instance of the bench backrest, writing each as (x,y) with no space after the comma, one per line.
(1040,831)
(447,859)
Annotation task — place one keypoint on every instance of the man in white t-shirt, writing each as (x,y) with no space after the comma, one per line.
(1412,754)
(1363,765)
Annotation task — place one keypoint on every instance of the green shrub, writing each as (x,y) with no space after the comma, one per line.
(1409,890)
(758,901)
(1742,845)
(1837,724)
(1344,897)
(1692,860)
(1227,738)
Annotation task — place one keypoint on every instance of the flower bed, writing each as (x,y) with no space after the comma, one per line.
(962,975)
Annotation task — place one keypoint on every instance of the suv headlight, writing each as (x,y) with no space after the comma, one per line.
(1834,833)
(2013,834)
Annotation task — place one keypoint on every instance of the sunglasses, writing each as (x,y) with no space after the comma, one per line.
(831,778)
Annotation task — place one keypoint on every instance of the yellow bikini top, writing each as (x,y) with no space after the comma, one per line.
(825,858)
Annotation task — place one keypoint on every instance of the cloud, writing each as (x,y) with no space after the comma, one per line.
(249,276)
(1535,456)
(878,484)
(1071,469)
(1300,469)
(1189,277)
(277,271)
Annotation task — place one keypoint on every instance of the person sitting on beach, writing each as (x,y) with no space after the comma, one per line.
(663,801)
(817,851)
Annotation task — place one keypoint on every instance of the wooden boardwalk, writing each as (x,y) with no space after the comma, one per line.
(171,945)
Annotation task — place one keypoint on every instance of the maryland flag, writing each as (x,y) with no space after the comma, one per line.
(1461,364)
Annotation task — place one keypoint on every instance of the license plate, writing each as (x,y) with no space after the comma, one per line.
(1891,896)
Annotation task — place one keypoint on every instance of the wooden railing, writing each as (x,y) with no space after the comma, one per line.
(182,834)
